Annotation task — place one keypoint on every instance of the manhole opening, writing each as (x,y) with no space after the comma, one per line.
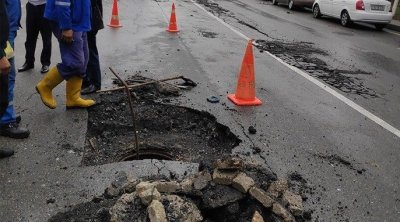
(148,154)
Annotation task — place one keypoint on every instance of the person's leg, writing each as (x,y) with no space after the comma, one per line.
(32,32)
(8,125)
(52,78)
(92,81)
(87,79)
(45,32)
(74,83)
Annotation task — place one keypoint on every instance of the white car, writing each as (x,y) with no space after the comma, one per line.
(377,12)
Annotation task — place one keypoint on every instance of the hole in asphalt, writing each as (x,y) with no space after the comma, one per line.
(165,132)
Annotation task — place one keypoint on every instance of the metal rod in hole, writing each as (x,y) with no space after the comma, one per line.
(132,110)
(140,84)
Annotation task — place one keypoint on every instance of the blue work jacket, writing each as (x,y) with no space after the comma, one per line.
(69,14)
(13,8)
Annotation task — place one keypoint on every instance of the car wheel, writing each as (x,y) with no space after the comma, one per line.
(345,19)
(274,2)
(379,27)
(291,5)
(316,11)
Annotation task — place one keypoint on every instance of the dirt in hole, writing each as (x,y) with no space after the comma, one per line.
(207,34)
(184,133)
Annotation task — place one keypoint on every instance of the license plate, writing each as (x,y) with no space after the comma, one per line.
(378,7)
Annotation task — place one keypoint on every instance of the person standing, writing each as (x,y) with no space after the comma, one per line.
(70,22)
(9,126)
(92,80)
(35,24)
(4,68)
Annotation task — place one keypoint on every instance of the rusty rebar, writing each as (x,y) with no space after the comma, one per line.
(132,110)
(141,84)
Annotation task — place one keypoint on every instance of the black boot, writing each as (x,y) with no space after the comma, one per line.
(25,67)
(89,90)
(13,130)
(6,153)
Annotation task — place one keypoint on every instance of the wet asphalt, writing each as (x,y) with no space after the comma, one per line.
(300,127)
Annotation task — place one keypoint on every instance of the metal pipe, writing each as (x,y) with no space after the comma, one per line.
(132,110)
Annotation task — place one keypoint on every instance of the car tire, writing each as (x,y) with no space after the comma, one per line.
(316,11)
(379,27)
(275,2)
(291,5)
(345,19)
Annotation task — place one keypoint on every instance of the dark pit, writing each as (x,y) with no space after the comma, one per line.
(148,154)
(166,132)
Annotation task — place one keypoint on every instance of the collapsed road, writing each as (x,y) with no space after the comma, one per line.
(303,134)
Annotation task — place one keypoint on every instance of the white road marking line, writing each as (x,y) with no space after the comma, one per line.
(392,32)
(323,86)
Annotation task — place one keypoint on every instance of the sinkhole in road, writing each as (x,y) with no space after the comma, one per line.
(165,131)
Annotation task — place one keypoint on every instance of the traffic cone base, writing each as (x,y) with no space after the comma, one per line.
(172,31)
(241,102)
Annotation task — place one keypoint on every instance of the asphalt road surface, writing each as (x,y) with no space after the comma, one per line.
(340,132)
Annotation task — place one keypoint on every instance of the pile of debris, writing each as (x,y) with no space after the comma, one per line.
(231,192)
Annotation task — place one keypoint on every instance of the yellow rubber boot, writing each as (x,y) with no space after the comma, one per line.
(74,99)
(46,86)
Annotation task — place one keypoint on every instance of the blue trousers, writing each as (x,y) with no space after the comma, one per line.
(74,56)
(9,115)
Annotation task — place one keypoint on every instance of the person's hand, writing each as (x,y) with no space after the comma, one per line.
(4,65)
(67,35)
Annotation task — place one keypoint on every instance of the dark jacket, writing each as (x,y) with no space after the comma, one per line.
(4,28)
(69,14)
(97,15)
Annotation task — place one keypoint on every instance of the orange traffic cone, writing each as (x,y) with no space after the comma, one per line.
(173,27)
(114,23)
(245,94)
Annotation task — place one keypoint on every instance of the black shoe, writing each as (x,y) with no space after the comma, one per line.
(44,69)
(12,130)
(89,90)
(18,119)
(6,153)
(26,67)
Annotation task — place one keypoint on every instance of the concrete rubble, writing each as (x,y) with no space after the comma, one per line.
(224,177)
(223,193)
(278,187)
(257,217)
(156,212)
(201,180)
(261,196)
(279,210)
(242,182)
(118,211)
(179,209)
(293,202)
